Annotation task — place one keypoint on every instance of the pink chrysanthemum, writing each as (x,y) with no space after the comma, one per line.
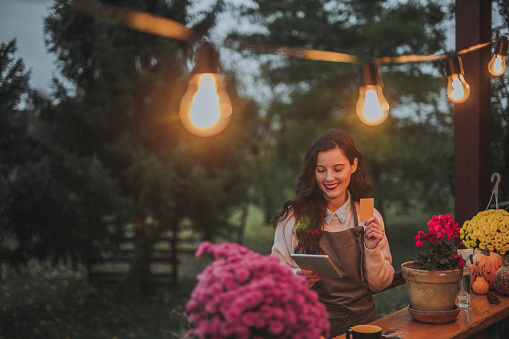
(244,294)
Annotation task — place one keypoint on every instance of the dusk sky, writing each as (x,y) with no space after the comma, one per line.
(23,20)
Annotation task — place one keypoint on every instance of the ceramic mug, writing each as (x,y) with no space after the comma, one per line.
(364,332)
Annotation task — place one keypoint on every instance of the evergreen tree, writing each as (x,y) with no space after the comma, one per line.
(13,142)
(55,202)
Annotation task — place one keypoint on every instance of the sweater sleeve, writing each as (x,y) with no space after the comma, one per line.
(285,240)
(378,270)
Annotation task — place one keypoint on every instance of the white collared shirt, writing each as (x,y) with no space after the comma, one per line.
(341,219)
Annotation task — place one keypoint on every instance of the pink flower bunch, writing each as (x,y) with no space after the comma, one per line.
(439,251)
(244,294)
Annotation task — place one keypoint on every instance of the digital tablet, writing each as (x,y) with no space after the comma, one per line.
(318,263)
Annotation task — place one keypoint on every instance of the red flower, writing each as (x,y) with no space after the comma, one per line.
(438,251)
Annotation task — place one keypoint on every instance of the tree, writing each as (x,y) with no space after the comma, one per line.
(312,96)
(13,79)
(14,88)
(13,142)
(122,109)
(43,185)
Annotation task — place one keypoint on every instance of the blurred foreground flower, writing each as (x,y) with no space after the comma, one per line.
(244,294)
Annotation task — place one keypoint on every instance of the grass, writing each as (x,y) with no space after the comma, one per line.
(56,301)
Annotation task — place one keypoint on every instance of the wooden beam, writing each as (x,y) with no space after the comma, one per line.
(472,118)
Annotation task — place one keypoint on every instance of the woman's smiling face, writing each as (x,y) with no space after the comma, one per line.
(332,173)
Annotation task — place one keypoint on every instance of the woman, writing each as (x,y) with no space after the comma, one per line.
(322,218)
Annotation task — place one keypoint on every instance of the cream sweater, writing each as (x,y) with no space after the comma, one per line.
(378,270)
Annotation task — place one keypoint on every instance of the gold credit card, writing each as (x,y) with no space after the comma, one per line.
(367,209)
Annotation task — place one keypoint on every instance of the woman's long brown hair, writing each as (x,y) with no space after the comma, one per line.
(308,205)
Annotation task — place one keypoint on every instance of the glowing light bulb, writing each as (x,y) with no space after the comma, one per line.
(372,108)
(458,90)
(205,108)
(497,64)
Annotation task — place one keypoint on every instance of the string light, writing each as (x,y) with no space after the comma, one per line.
(140,21)
(205,108)
(458,90)
(372,108)
(497,63)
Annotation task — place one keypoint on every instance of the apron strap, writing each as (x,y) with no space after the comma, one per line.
(359,233)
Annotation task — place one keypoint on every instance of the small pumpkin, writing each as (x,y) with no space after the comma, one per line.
(501,279)
(480,285)
(486,264)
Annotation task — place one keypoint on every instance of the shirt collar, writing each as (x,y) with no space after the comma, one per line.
(341,212)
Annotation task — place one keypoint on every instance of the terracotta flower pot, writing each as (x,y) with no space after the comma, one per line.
(431,290)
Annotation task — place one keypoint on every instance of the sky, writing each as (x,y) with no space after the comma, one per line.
(23,20)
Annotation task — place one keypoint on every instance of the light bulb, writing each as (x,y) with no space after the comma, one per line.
(205,108)
(497,65)
(372,108)
(458,90)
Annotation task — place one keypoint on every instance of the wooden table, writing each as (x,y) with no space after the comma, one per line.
(480,315)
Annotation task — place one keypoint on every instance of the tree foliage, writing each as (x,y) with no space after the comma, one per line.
(123,109)
(409,160)
(13,142)
(13,78)
(55,201)
(111,150)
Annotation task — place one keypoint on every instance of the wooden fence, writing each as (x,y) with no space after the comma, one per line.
(113,265)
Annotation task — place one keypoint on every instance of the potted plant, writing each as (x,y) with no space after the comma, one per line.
(433,278)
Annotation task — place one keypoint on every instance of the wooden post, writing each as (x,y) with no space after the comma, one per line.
(472,118)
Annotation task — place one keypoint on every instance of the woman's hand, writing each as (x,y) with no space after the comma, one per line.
(311,276)
(373,232)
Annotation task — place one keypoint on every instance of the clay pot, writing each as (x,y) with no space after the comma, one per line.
(431,290)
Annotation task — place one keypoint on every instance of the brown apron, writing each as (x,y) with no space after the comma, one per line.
(348,300)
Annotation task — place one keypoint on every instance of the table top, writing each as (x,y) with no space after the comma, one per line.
(480,315)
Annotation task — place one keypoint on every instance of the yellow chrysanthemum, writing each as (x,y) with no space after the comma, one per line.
(489,229)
